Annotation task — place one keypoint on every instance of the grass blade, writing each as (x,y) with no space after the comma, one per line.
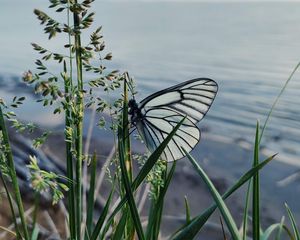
(90,207)
(190,230)
(245,217)
(121,226)
(280,227)
(293,221)
(155,220)
(69,158)
(128,188)
(125,131)
(271,229)
(35,233)
(11,206)
(127,152)
(187,210)
(276,100)
(13,174)
(218,199)
(103,215)
(255,197)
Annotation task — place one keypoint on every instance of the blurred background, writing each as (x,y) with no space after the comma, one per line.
(249,48)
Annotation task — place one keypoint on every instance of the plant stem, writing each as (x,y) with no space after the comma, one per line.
(13,174)
(11,206)
(79,123)
(36,209)
(126,130)
(71,194)
(68,121)
(128,163)
(255,189)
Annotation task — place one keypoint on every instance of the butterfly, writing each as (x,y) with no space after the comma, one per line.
(157,115)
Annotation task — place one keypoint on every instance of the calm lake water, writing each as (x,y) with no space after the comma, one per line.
(250,49)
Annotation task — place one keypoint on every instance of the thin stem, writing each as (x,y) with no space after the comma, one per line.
(276,100)
(85,170)
(13,174)
(36,209)
(71,194)
(14,217)
(79,123)
(70,168)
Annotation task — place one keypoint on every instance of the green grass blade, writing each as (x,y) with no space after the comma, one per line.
(125,129)
(280,227)
(14,217)
(245,217)
(155,220)
(79,121)
(128,188)
(36,209)
(35,233)
(150,216)
(276,100)
(91,196)
(255,197)
(218,199)
(271,229)
(69,157)
(118,235)
(161,199)
(293,221)
(13,175)
(127,152)
(187,210)
(103,215)
(190,230)
(145,170)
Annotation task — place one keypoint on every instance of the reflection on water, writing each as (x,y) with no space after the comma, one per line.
(249,49)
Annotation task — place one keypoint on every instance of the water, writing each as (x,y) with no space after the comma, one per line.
(248,48)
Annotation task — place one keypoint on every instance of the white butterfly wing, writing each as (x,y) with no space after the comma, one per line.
(163,110)
(157,126)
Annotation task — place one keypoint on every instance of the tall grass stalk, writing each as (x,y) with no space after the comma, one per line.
(13,175)
(68,83)
(91,196)
(69,159)
(246,208)
(255,189)
(11,205)
(79,123)
(127,158)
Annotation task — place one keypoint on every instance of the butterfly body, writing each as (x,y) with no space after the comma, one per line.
(134,111)
(157,115)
